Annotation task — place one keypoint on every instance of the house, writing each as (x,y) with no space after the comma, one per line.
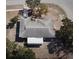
(36,30)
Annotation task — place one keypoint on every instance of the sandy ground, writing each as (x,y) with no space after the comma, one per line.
(54,13)
(42,52)
(10,15)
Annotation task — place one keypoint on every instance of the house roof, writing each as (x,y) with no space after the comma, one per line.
(30,28)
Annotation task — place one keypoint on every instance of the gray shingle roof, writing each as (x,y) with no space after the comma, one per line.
(30,28)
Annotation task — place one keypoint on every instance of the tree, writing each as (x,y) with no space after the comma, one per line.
(43,8)
(13,51)
(65,34)
(33,3)
(64,39)
(37,7)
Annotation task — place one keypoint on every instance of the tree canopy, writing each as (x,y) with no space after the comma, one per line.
(38,8)
(33,3)
(13,51)
(64,38)
(65,34)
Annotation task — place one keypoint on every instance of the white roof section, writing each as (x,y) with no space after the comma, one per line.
(34,40)
(38,28)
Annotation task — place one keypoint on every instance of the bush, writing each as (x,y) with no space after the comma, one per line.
(13,21)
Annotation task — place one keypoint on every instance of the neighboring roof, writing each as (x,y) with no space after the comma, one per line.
(30,28)
(35,40)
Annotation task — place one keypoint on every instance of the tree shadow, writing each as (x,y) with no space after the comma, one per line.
(10,25)
(32,45)
(54,45)
(12,22)
(48,39)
